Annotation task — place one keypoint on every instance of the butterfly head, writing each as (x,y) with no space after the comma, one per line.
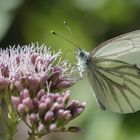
(82,60)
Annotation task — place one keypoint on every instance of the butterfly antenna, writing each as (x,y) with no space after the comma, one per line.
(71,42)
(67,27)
(70,31)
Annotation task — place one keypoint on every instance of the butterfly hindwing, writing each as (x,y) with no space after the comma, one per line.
(116,85)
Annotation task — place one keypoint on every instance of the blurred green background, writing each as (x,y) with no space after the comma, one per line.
(92,22)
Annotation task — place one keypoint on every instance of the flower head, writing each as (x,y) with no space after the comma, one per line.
(48,112)
(35,79)
(34,67)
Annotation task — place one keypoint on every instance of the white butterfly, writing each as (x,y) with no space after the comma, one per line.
(113,69)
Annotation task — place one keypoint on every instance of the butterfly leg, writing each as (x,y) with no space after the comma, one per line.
(101,105)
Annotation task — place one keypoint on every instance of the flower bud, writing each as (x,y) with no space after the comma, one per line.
(41,127)
(56,95)
(34,118)
(43,98)
(80,110)
(40,93)
(57,69)
(60,114)
(83,104)
(74,104)
(42,107)
(68,116)
(51,96)
(56,106)
(24,94)
(28,102)
(22,108)
(66,112)
(16,101)
(59,100)
(53,126)
(48,102)
(18,85)
(48,116)
(4,83)
(66,97)
(64,84)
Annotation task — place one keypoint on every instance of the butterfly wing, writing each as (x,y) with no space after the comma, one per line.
(125,47)
(116,85)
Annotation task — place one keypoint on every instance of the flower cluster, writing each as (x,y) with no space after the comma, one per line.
(34,67)
(36,81)
(47,111)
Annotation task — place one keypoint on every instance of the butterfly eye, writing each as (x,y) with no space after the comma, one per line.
(81,54)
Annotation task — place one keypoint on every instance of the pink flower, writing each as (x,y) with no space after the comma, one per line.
(35,78)
(34,67)
(49,111)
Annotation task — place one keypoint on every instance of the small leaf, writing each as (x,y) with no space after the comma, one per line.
(74,129)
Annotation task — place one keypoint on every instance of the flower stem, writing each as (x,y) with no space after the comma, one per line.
(11,119)
(31,137)
(10,137)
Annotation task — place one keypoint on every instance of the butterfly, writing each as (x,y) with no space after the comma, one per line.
(113,70)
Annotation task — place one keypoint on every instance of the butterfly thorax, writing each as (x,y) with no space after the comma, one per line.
(83,58)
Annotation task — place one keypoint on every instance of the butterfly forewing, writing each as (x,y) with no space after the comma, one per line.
(124,48)
(116,85)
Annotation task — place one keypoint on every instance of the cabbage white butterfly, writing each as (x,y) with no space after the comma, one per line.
(113,69)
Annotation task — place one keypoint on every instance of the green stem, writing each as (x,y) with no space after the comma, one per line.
(11,119)
(32,134)
(9,137)
(31,137)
